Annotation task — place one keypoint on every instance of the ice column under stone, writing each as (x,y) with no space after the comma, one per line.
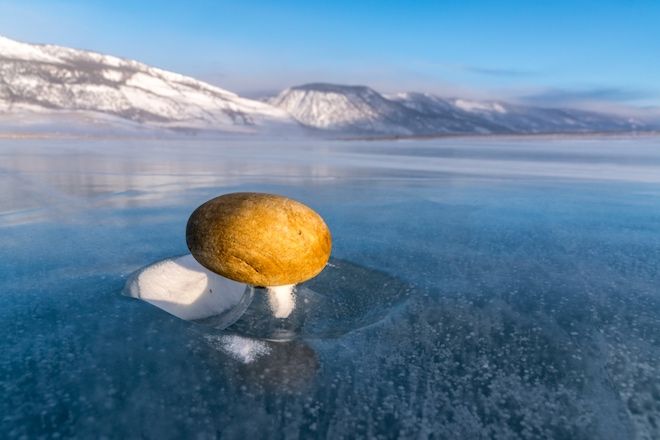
(282,300)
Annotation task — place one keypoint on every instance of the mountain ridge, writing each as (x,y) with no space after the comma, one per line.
(361,110)
(48,87)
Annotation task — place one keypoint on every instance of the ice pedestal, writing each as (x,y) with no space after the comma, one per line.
(343,298)
(240,324)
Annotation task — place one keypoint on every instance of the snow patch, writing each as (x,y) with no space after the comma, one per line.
(474,106)
(23,51)
(185,289)
(112,75)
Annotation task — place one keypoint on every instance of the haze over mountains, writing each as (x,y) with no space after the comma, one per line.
(52,88)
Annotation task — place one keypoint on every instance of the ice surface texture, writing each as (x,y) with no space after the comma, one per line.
(535,309)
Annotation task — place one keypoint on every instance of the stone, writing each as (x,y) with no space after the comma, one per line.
(259,239)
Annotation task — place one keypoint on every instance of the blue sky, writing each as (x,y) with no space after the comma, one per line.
(591,53)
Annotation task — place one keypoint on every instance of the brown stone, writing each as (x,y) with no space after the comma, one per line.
(259,239)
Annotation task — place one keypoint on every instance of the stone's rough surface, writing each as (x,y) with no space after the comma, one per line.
(259,239)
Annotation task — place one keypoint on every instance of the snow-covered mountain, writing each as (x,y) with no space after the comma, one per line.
(351,109)
(50,83)
(361,110)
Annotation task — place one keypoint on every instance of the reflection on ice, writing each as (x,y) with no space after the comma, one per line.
(289,367)
(64,178)
(242,349)
(343,298)
(271,365)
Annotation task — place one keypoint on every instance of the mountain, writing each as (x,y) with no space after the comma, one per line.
(51,83)
(360,110)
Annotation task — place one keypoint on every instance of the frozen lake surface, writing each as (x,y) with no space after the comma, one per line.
(531,269)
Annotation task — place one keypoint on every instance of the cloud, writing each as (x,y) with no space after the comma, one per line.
(558,96)
(500,73)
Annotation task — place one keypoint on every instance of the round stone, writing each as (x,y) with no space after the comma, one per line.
(259,239)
